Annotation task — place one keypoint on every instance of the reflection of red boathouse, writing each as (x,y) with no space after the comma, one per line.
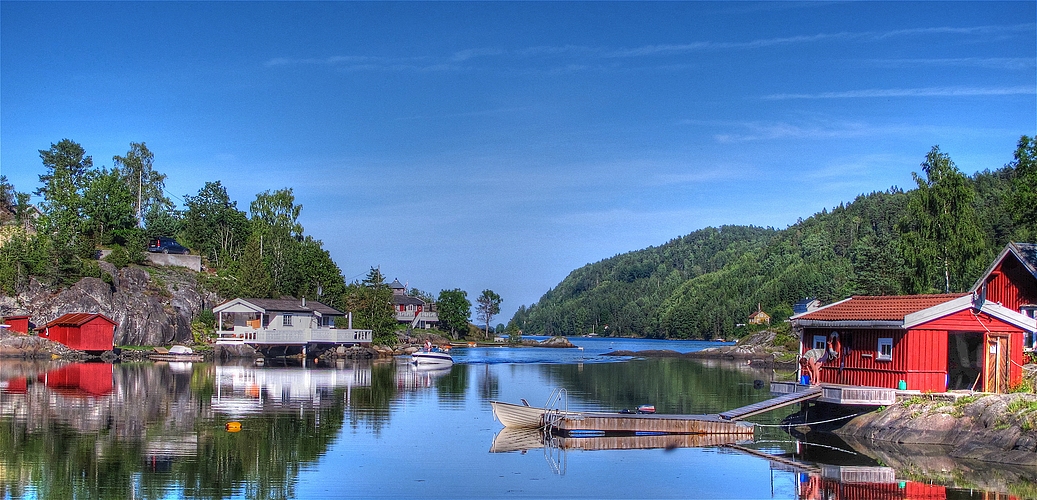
(816,487)
(80,379)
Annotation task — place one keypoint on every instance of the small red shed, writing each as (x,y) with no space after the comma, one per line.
(82,331)
(18,324)
(929,343)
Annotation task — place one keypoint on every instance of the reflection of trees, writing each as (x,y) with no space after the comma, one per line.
(672,385)
(156,433)
(489,384)
(371,405)
(452,386)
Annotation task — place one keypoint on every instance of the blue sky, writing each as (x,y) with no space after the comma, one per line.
(501,145)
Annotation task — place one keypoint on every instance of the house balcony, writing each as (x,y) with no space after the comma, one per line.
(252,335)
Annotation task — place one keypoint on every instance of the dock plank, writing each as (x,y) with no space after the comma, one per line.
(628,423)
(772,404)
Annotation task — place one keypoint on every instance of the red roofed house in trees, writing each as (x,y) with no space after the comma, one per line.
(82,331)
(932,343)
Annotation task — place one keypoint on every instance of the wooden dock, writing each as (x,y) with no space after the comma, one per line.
(772,404)
(650,423)
(842,394)
(512,439)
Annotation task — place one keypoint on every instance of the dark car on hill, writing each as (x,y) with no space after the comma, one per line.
(166,245)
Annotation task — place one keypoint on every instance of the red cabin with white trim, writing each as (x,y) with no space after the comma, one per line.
(930,343)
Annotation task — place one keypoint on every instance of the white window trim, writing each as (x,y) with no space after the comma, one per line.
(887,341)
(286,320)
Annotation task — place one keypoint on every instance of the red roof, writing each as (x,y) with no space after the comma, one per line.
(878,308)
(77,319)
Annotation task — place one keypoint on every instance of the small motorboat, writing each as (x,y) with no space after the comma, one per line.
(176,353)
(432,357)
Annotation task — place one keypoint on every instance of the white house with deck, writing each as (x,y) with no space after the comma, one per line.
(286,322)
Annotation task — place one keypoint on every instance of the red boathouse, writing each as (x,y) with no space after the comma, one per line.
(928,343)
(82,331)
(18,324)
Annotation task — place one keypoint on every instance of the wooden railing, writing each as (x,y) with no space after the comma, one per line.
(271,336)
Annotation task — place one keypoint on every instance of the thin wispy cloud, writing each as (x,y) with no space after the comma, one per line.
(448,62)
(916,92)
(999,63)
(757,131)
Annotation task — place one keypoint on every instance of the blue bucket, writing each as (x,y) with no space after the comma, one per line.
(804,380)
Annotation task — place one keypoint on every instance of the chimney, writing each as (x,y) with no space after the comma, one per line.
(304,301)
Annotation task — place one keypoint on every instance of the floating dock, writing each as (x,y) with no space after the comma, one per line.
(649,423)
(772,404)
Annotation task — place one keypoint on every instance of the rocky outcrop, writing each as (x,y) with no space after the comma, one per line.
(234,351)
(555,342)
(991,428)
(760,348)
(151,306)
(14,345)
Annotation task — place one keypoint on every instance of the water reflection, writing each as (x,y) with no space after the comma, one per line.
(243,390)
(158,430)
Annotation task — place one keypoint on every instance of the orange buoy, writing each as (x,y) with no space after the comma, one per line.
(233,426)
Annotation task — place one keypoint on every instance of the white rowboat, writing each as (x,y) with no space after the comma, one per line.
(523,416)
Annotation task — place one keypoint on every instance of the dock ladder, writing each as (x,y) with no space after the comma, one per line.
(557,408)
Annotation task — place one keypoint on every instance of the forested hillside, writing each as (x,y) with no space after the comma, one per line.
(936,237)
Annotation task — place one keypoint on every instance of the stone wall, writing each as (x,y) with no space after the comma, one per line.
(192,262)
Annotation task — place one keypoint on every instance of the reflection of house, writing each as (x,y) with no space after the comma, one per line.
(930,343)
(80,379)
(283,322)
(827,486)
(412,310)
(82,331)
(250,390)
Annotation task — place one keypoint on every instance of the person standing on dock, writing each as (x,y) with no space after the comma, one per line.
(811,361)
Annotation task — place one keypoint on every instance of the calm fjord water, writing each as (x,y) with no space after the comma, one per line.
(386,430)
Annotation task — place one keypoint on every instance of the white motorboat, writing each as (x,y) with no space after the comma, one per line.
(438,358)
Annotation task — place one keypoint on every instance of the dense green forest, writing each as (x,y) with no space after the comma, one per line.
(937,237)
